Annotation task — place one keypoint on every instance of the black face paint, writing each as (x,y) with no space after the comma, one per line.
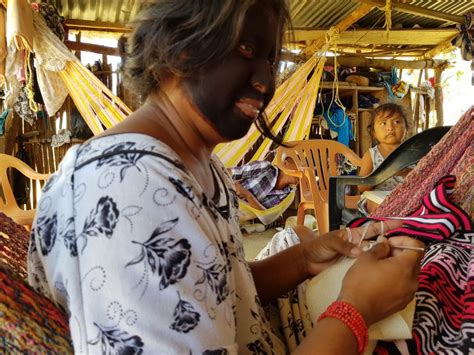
(231,93)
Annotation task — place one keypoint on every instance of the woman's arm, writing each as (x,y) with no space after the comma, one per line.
(365,169)
(369,288)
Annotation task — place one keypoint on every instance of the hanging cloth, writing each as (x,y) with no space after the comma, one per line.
(20,25)
(339,122)
(51,58)
(464,39)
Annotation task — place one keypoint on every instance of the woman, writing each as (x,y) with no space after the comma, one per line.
(137,235)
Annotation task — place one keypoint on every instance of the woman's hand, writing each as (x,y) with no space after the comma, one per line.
(321,251)
(383,280)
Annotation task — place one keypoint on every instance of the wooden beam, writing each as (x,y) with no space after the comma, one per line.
(96,26)
(89,47)
(416,10)
(389,53)
(418,37)
(344,24)
(351,61)
(443,47)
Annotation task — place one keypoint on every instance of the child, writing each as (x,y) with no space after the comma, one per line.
(262,184)
(388,127)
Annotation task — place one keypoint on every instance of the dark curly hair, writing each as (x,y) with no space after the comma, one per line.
(182,36)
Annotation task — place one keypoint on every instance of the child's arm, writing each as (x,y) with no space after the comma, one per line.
(246,195)
(365,169)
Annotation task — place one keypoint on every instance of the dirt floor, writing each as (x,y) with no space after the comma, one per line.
(255,242)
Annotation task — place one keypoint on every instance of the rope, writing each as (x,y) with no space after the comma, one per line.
(29,83)
(331,37)
(388,17)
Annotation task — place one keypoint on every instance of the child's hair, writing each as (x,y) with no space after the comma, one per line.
(388,109)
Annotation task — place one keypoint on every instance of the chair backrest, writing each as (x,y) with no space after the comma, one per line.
(316,160)
(8,204)
(408,153)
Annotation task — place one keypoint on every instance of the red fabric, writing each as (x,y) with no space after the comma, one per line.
(444,316)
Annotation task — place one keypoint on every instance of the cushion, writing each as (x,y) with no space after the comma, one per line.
(359,80)
(30,323)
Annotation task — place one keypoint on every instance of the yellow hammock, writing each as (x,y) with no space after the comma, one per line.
(267,216)
(297,97)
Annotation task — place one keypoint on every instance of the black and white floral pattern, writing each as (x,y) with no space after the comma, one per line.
(117,341)
(185,318)
(46,228)
(101,221)
(124,226)
(165,256)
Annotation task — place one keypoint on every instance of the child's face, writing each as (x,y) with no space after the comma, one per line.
(389,129)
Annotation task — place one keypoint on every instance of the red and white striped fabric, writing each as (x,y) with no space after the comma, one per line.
(436,219)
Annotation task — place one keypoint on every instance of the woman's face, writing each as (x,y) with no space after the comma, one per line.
(230,94)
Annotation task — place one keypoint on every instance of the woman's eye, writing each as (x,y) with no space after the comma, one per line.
(246,50)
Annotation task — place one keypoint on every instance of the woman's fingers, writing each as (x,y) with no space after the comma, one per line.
(379,251)
(372,230)
(410,251)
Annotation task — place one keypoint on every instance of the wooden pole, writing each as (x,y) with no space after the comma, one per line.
(427,106)
(439,97)
(417,104)
(351,61)
(86,25)
(416,10)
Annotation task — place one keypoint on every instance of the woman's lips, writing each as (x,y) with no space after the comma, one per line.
(249,107)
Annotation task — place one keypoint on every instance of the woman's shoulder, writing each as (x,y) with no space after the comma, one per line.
(124,147)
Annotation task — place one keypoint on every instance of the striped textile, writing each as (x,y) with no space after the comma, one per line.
(435,220)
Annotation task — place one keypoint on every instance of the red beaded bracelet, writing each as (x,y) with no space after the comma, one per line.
(351,317)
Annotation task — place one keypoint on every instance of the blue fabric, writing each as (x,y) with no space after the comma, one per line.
(3,118)
(339,122)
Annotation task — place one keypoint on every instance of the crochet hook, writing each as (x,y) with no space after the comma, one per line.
(407,247)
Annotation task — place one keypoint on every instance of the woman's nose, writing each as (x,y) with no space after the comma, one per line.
(263,79)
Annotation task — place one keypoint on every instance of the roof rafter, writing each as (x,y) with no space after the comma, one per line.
(344,24)
(430,37)
(416,10)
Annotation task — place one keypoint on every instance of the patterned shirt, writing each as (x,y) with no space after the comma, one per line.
(128,243)
(260,178)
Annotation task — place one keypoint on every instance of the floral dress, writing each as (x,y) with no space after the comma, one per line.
(128,243)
